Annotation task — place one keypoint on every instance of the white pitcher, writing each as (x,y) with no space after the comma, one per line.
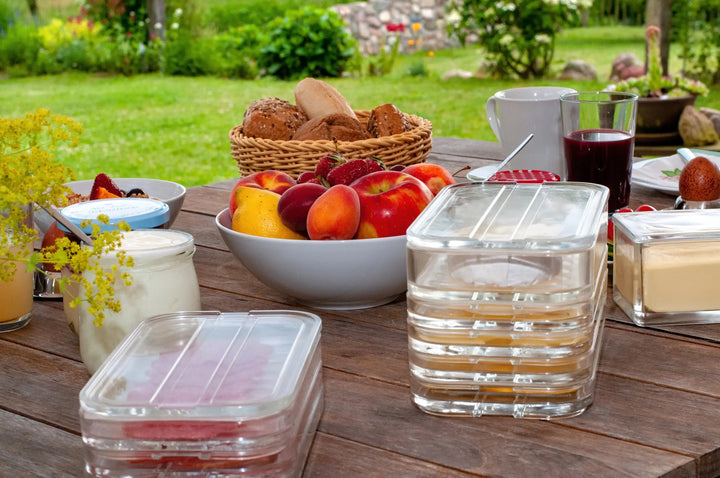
(517,112)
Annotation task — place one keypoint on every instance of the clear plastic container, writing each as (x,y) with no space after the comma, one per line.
(206,394)
(506,288)
(507,242)
(666,268)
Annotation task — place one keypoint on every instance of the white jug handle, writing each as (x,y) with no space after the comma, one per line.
(492,116)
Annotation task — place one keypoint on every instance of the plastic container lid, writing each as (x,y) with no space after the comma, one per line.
(666,225)
(206,390)
(138,213)
(529,217)
(524,176)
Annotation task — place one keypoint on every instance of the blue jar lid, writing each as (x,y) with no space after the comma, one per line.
(138,213)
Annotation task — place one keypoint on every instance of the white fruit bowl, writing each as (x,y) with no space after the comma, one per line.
(353,274)
(172,194)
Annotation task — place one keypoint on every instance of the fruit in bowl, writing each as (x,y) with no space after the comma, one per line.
(171,193)
(339,274)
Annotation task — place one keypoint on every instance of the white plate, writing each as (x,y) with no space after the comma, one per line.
(482,173)
(656,173)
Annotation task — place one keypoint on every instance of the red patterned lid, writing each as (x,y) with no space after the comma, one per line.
(524,176)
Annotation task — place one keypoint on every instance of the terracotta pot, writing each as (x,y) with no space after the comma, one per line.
(658,118)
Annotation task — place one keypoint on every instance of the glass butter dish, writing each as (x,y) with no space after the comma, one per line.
(667,266)
(201,394)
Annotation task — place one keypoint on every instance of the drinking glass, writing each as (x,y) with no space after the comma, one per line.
(598,138)
(16,299)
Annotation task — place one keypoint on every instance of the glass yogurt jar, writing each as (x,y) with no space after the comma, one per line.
(163,281)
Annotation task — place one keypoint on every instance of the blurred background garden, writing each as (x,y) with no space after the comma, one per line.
(158,84)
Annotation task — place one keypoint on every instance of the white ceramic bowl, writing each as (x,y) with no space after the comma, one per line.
(353,274)
(172,194)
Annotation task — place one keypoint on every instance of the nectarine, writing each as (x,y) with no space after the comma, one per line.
(335,214)
(434,176)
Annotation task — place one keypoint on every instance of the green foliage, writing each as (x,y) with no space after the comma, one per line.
(417,68)
(518,36)
(307,42)
(697,27)
(20,46)
(238,49)
(382,64)
(234,13)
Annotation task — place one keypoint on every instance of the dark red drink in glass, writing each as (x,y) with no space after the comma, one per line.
(601,156)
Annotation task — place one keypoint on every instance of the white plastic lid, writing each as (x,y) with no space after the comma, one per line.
(138,213)
(204,365)
(560,216)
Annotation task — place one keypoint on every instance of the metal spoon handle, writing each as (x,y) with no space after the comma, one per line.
(514,152)
(57,215)
(686,154)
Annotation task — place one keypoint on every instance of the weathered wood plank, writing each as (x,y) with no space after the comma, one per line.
(29,448)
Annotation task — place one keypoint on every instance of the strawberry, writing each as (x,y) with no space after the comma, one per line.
(103,181)
(327,163)
(348,172)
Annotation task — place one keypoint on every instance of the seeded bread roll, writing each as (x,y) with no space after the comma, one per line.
(272,118)
(317,98)
(333,126)
(386,120)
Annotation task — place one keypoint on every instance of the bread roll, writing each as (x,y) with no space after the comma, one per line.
(272,118)
(316,98)
(333,126)
(386,120)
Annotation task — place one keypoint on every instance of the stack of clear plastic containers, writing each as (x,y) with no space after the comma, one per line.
(506,288)
(206,394)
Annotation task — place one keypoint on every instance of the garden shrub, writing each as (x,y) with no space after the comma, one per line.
(307,42)
(696,25)
(20,46)
(235,13)
(238,49)
(518,35)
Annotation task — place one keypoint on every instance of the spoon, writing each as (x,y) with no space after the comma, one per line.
(57,215)
(686,154)
(480,171)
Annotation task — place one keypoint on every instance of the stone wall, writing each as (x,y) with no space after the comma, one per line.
(367,22)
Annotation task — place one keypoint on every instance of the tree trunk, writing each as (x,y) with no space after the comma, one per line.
(156,15)
(33,7)
(659,13)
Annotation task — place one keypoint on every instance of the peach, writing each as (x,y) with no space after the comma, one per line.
(434,176)
(272,180)
(335,215)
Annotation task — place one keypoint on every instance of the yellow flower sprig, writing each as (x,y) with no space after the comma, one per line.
(30,175)
(82,265)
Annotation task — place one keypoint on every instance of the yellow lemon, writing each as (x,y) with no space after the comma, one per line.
(257,214)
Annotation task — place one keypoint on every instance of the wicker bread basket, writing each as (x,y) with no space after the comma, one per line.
(295,157)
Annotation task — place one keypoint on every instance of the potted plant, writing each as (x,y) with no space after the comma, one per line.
(661,98)
(31,177)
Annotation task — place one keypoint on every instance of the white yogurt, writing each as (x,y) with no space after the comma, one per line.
(163,281)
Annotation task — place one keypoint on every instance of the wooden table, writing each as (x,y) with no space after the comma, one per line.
(656,411)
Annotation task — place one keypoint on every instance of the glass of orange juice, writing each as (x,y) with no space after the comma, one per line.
(16,299)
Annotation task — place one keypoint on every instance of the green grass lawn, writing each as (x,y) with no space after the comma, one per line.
(177,128)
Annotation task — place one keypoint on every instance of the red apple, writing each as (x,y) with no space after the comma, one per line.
(389,202)
(52,234)
(335,214)
(272,180)
(434,176)
(295,203)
